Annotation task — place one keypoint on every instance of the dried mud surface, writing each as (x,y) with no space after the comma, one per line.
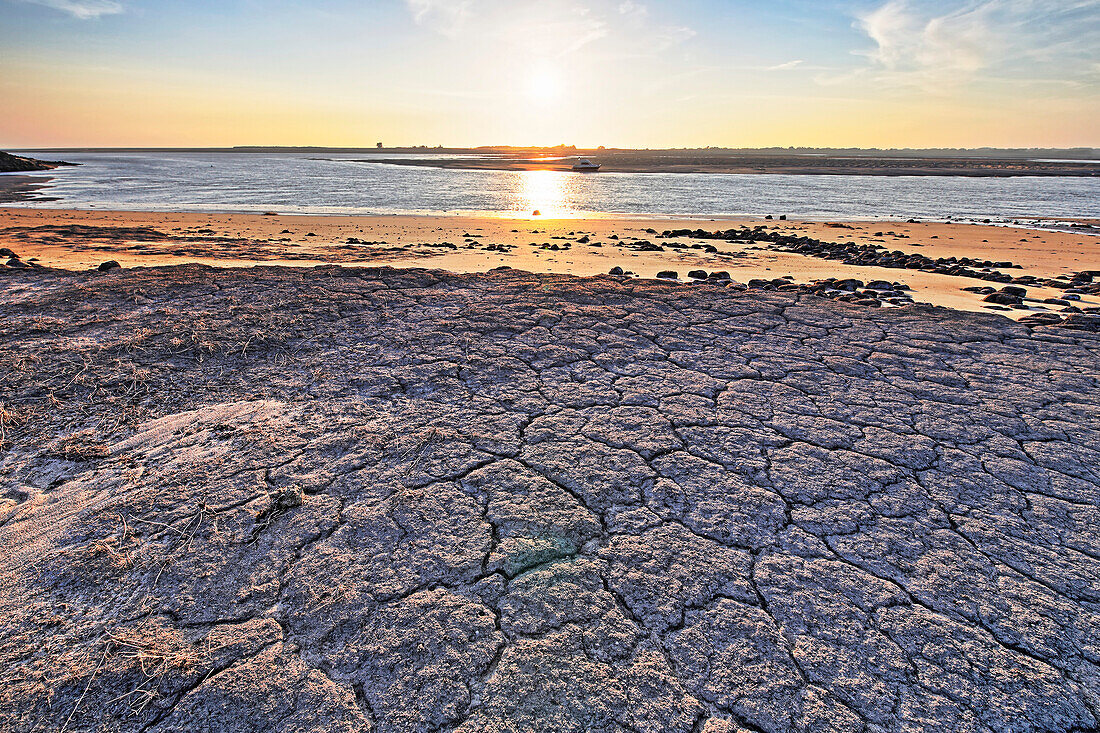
(338,499)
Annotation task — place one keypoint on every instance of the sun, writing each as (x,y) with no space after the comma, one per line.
(543,85)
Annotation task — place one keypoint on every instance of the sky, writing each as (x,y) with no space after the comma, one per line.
(620,73)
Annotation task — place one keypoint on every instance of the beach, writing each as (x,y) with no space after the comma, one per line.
(640,366)
(79,240)
(365,473)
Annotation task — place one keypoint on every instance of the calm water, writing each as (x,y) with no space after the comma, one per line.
(298,183)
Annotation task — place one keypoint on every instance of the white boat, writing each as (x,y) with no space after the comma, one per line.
(584,165)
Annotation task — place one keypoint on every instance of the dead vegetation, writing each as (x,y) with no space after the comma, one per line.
(139,661)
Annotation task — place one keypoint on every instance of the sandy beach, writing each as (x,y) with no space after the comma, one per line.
(79,240)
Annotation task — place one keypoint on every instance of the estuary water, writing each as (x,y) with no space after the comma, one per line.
(302,183)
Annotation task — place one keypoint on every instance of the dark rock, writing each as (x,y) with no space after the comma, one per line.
(15,164)
(1014,290)
(698,274)
(1002,299)
(108,265)
(1041,319)
(668,274)
(720,275)
(617,271)
(1082,322)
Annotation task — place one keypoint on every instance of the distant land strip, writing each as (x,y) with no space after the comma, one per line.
(806,164)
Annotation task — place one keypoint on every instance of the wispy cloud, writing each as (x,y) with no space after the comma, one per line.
(785,66)
(83,9)
(446,16)
(932,44)
(550,27)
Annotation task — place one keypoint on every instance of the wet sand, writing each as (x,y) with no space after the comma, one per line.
(78,240)
(15,187)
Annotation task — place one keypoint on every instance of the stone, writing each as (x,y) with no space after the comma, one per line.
(1003,299)
(668,275)
(108,266)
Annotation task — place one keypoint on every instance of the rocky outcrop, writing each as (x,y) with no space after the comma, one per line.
(15,164)
(398,500)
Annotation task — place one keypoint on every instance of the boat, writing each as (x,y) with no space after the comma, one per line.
(584,165)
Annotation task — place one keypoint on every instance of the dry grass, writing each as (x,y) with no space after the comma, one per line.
(113,552)
(80,446)
(181,538)
(156,655)
(150,653)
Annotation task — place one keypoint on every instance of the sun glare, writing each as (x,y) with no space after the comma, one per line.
(544,192)
(543,86)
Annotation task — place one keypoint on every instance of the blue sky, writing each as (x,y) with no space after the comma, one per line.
(615,72)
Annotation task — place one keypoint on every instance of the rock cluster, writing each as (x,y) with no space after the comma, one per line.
(14,262)
(850,290)
(1085,318)
(335,499)
(851,253)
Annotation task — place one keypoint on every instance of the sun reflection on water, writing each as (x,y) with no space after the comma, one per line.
(544,191)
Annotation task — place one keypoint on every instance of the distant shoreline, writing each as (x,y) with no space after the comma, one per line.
(20,164)
(638,162)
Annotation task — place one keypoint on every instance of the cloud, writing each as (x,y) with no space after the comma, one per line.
(447,16)
(550,27)
(785,66)
(83,9)
(933,43)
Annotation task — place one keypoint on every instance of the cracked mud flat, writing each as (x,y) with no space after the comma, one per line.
(398,500)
